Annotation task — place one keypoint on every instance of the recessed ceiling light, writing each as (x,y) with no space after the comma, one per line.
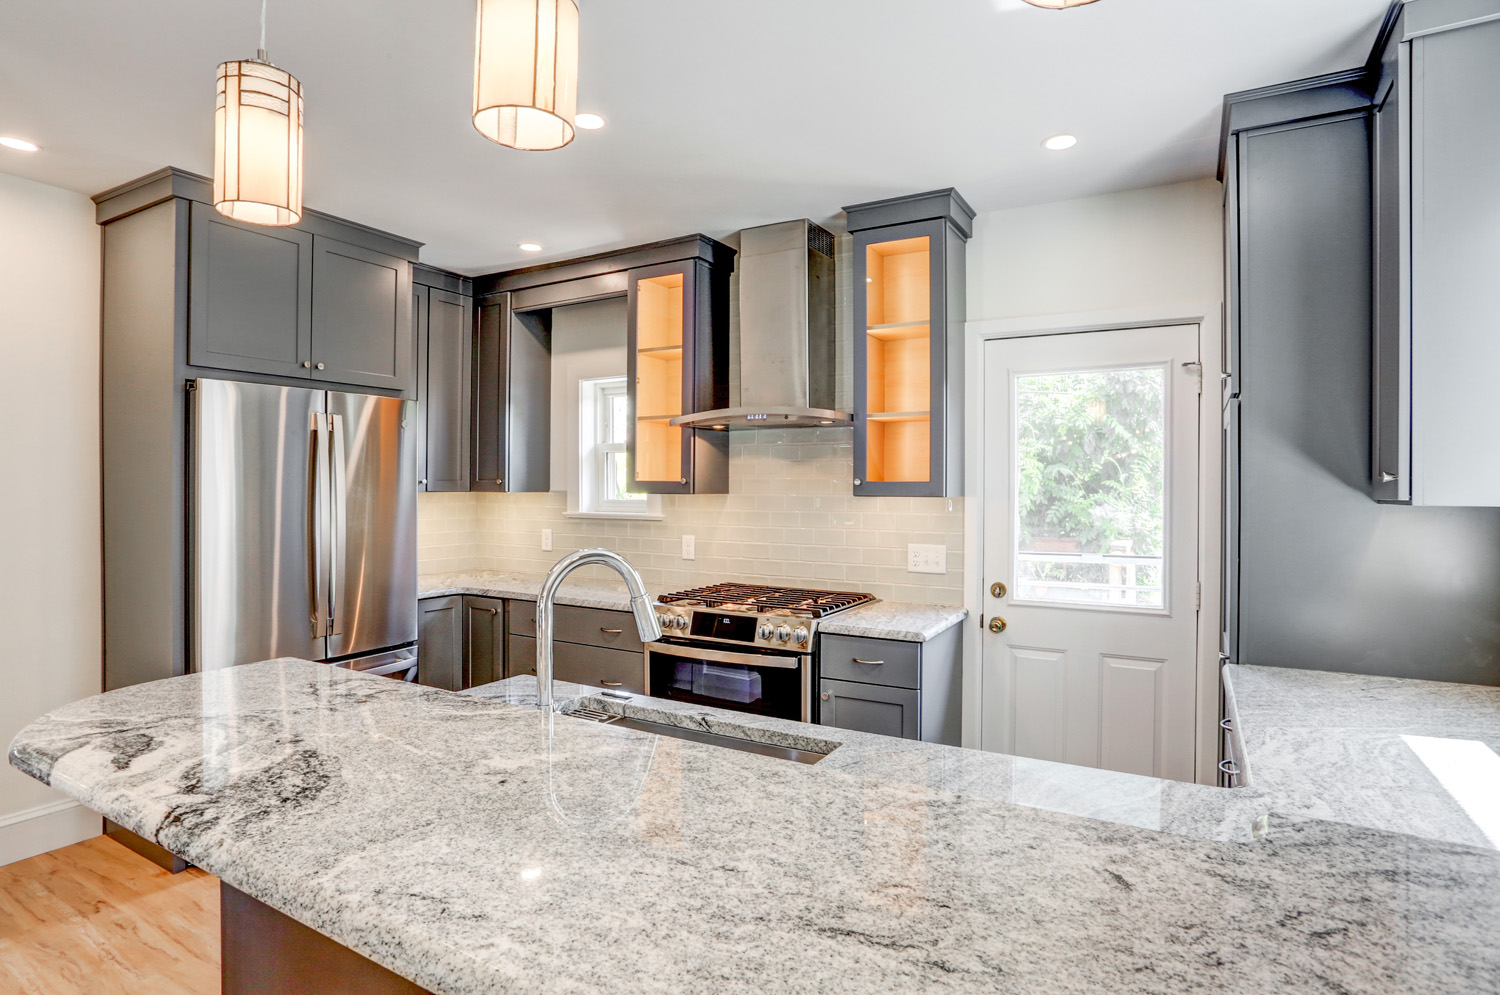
(530,247)
(1059,142)
(19,144)
(588,122)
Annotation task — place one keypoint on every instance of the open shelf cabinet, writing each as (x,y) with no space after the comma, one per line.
(677,354)
(908,345)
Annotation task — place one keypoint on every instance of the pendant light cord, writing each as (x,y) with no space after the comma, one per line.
(263,31)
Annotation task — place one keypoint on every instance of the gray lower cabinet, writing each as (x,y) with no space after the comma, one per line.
(361,318)
(893,687)
(580,664)
(249,297)
(484,620)
(870,708)
(440,642)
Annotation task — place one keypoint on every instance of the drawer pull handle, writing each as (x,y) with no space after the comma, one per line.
(1229,767)
(1226,724)
(868,663)
(610,632)
(492,611)
(613,684)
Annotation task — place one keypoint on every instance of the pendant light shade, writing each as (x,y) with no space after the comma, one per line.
(258,144)
(526,72)
(1058,4)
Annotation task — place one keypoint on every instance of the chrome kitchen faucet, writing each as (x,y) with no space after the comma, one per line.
(640,604)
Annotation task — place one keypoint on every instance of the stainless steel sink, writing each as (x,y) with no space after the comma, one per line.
(696,735)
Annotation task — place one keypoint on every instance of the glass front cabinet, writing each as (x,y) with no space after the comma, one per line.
(677,364)
(908,344)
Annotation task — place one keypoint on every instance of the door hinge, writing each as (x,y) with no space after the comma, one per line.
(1196,369)
(1198,596)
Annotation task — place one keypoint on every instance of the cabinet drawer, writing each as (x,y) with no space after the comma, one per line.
(589,626)
(889,662)
(593,666)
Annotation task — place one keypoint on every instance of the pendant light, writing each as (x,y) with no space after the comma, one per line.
(258,141)
(526,72)
(1058,4)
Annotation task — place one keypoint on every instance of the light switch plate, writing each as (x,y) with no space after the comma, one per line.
(546,540)
(924,559)
(689,548)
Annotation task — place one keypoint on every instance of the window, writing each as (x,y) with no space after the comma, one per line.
(603,479)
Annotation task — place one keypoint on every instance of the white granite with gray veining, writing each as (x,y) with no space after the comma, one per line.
(476,846)
(903,620)
(1418,757)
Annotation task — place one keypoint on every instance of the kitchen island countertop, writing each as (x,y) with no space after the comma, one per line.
(477,845)
(908,621)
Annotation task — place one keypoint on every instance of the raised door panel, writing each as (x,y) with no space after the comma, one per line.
(250,296)
(485,618)
(870,708)
(520,655)
(445,391)
(512,394)
(440,643)
(362,317)
(489,398)
(1132,707)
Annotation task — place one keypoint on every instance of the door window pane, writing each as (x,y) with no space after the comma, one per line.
(1090,488)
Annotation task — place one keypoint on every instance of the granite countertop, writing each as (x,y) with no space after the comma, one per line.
(475,846)
(904,620)
(1417,757)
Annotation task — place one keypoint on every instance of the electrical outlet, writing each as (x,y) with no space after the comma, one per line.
(546,540)
(921,559)
(689,548)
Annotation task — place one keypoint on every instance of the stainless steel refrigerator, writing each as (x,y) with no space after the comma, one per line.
(303,530)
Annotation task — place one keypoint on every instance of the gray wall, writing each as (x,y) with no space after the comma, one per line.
(1331,580)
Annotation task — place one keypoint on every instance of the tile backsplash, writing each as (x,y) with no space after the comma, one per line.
(789,519)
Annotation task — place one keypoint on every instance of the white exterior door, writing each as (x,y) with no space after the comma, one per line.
(1090,519)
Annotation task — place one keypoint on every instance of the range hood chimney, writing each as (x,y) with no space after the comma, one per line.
(787,354)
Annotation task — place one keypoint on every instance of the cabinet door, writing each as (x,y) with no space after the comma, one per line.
(250,296)
(362,317)
(901,353)
(1390,408)
(520,655)
(659,377)
(870,708)
(440,643)
(419,332)
(486,640)
(512,395)
(445,357)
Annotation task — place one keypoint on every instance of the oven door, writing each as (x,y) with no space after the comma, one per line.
(761,681)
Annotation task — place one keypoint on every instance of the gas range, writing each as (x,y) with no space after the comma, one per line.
(778,618)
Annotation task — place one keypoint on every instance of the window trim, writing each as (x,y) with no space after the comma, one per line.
(593,455)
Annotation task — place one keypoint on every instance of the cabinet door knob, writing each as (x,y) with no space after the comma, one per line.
(1387,477)
(825,696)
(306,364)
(320,366)
(422,481)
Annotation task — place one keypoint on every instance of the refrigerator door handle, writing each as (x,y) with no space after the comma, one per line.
(339,534)
(317,515)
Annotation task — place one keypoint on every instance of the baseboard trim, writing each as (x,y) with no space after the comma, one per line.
(47,827)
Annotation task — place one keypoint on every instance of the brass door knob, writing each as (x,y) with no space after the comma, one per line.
(997,624)
(997,590)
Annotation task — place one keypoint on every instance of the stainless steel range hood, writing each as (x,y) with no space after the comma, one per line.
(787,355)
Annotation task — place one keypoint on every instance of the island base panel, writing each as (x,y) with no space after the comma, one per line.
(158,855)
(265,951)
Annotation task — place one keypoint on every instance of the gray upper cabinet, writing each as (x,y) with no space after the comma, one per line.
(512,398)
(362,325)
(250,296)
(1437,250)
(677,364)
(444,322)
(908,344)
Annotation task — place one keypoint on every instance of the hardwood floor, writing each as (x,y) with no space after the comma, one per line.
(97,919)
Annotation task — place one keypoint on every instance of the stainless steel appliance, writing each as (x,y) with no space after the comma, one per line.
(304,532)
(741,647)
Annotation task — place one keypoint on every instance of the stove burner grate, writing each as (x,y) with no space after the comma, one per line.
(814,604)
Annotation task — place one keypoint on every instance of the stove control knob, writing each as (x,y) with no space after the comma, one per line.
(799,635)
(665,621)
(680,622)
(783,633)
(766,631)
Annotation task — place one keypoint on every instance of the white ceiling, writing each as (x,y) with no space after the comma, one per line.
(721,114)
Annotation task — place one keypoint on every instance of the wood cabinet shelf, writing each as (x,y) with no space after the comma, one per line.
(664,352)
(894,416)
(897,330)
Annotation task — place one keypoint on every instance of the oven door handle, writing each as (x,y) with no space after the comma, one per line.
(720,656)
